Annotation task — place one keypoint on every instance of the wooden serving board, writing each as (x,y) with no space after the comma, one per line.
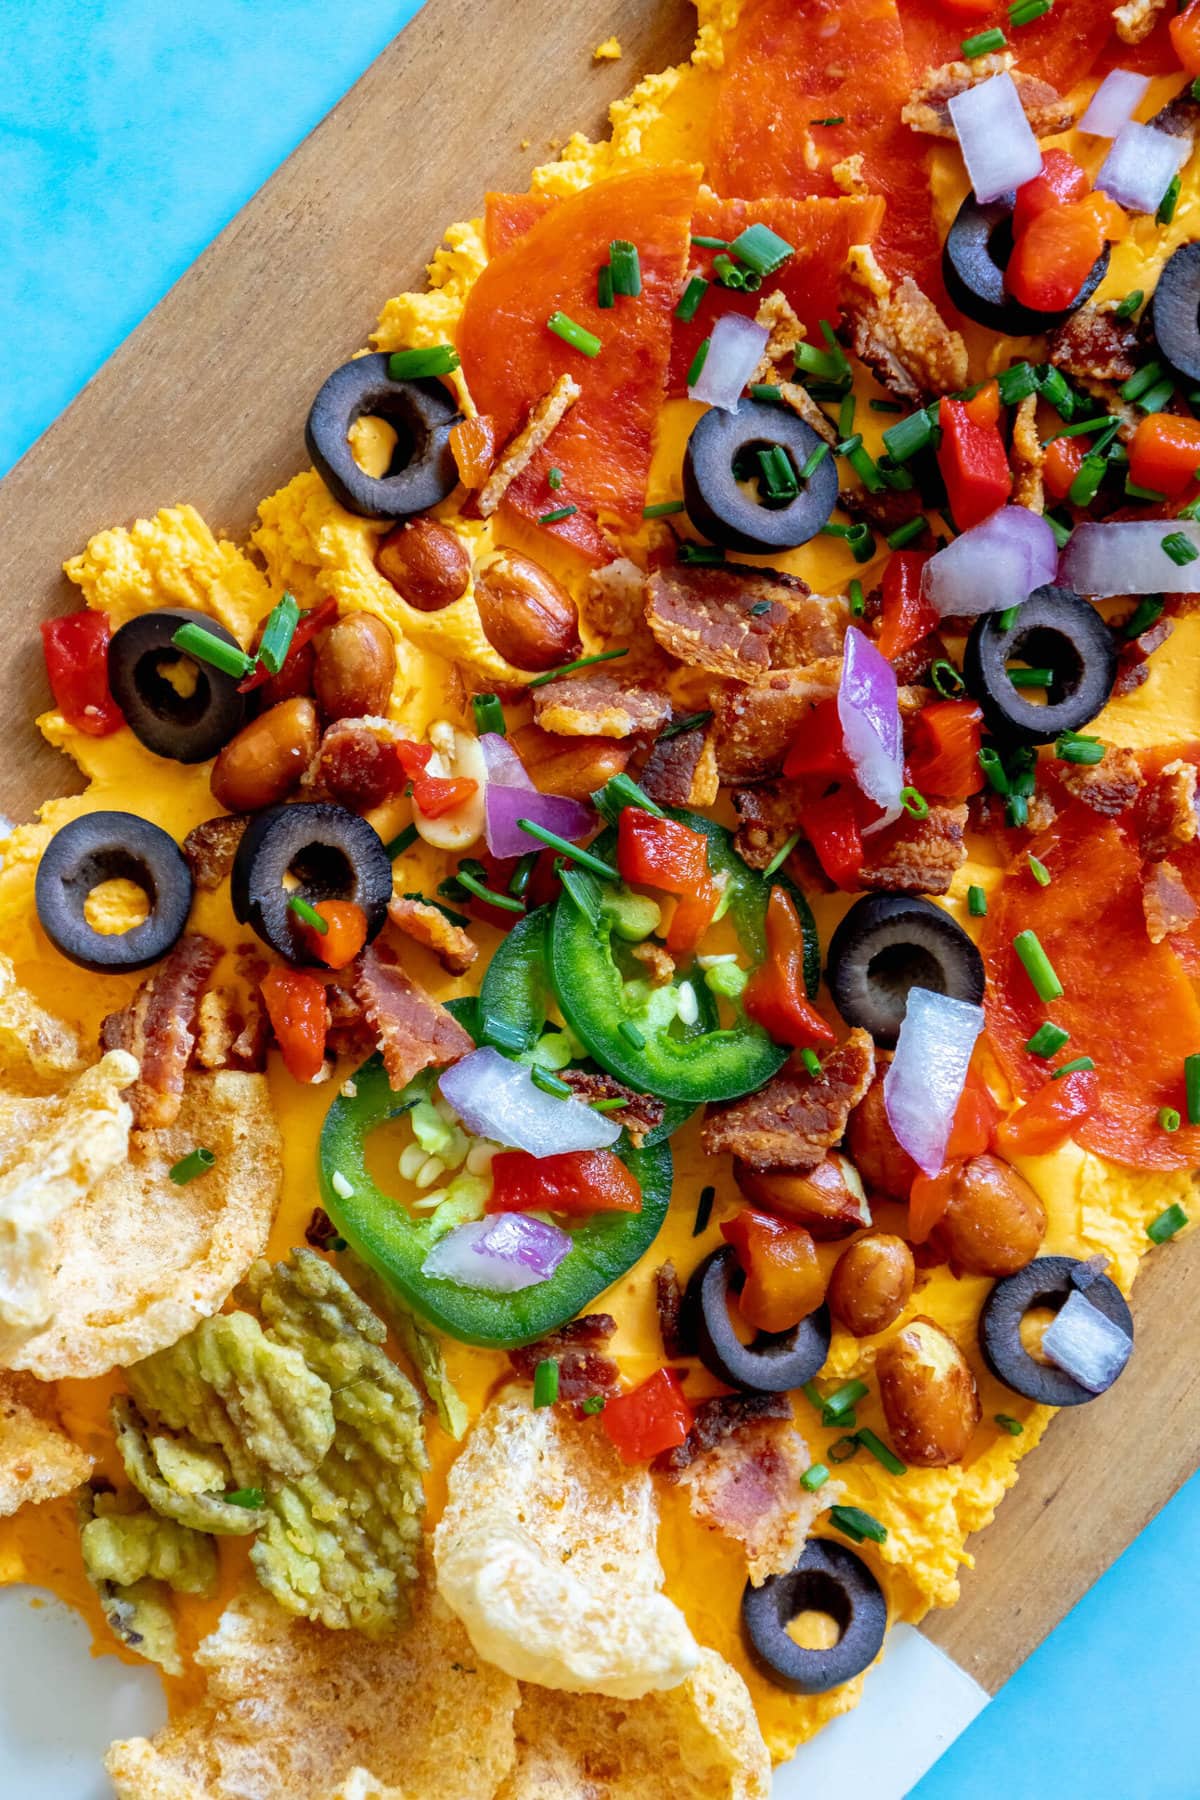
(205,402)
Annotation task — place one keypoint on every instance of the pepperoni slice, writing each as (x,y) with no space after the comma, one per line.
(511,359)
(1127,1002)
(822,231)
(789,66)
(507,217)
(1060,47)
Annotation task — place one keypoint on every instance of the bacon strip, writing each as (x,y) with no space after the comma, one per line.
(682,770)
(599,706)
(412,1030)
(668,1304)
(577,1349)
(159,1028)
(428,925)
(639,1115)
(794,1120)
(211,846)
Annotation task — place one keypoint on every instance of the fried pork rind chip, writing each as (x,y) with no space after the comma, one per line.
(295,1712)
(38,1461)
(698,1741)
(138,1259)
(35,1047)
(547,1553)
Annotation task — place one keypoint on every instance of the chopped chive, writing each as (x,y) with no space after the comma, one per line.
(501,1033)
(620,791)
(698,361)
(554,479)
(914,803)
(662,509)
(1008,618)
(1006,1422)
(1146,613)
(1039,871)
(550,1083)
(848,1446)
(767,391)
(466,878)
(895,475)
(811,361)
(252,1498)
(489,714)
(1086,485)
(617,1103)
(1053,384)
(1060,528)
(846,418)
(1047,1040)
(522,875)
(690,722)
(861,542)
(1031,678)
(689,302)
(278,633)
(545,1382)
(814,1478)
(1168,1118)
(1180,549)
(704,1209)
(581,662)
(605,297)
(1191,1081)
(1168,203)
(1026,11)
(881,1453)
(1078,1065)
(835,1406)
(308,915)
(852,1521)
(415,365)
(404,840)
(833,529)
(847,446)
(583,892)
(206,646)
(710,243)
(946,679)
(447,912)
(813,461)
(584,858)
(1037,966)
(833,119)
(858,600)
(777,473)
(730,276)
(905,534)
(1149,496)
(1016,383)
(1167,1224)
(559,512)
(632,1034)
(196,1162)
(1074,747)
(1079,428)
(984,43)
(586,342)
(977,902)
(1141,380)
(595,1403)
(811,1061)
(994,770)
(626,268)
(705,556)
(1155,399)
(1130,304)
(910,435)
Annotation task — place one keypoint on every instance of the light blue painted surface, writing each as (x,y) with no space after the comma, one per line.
(130,131)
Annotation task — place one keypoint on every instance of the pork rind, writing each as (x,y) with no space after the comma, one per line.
(295,1712)
(138,1260)
(38,1461)
(35,1047)
(698,1741)
(547,1552)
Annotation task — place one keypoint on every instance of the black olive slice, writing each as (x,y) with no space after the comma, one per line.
(724,509)
(1175,311)
(829,1579)
(1047,1281)
(974,258)
(112,846)
(423,469)
(775,1361)
(889,943)
(1054,629)
(315,851)
(189,719)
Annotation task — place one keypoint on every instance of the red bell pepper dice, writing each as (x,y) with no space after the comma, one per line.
(660,853)
(906,617)
(76,651)
(1050,1117)
(649,1419)
(1060,182)
(1165,454)
(943,758)
(973,463)
(576,1182)
(299,1015)
(831,827)
(775,996)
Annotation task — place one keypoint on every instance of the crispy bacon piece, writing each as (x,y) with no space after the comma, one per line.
(1169,818)
(1166,902)
(412,1030)
(1109,787)
(348,1034)
(898,331)
(776,312)
(577,1348)
(717,1419)
(1095,345)
(755,724)
(768,815)
(741,624)
(1137,19)
(682,770)
(1134,658)
(599,705)
(232,1031)
(320,1230)
(159,1028)
(615,598)
(521,450)
(427,924)
(658,961)
(1028,458)
(916,856)
(357,764)
(668,1304)
(795,1119)
(640,1114)
(210,848)
(928,110)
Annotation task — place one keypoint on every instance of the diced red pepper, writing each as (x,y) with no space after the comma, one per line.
(1050,1117)
(577,1183)
(943,756)
(1165,453)
(1185,37)
(974,466)
(299,1015)
(1053,257)
(660,853)
(820,746)
(345,937)
(783,1282)
(983,408)
(775,995)
(831,827)
(690,920)
(928,1199)
(1061,182)
(432,795)
(649,1419)
(473,442)
(1064,459)
(975,1120)
(307,627)
(76,651)
(906,616)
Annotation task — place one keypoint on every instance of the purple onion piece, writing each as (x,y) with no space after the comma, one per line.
(869,714)
(998,146)
(1112,105)
(504,767)
(1085,1344)
(1127,557)
(925,1079)
(498,1255)
(735,346)
(503,806)
(496,1098)
(993,566)
(1141,166)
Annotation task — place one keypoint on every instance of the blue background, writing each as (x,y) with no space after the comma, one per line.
(130,132)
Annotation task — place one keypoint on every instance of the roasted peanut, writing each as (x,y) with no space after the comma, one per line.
(994,1222)
(266,759)
(929,1395)
(356,665)
(872,1283)
(427,564)
(573,767)
(527,616)
(883,1164)
(828,1199)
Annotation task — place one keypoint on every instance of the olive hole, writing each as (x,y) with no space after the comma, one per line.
(1043,649)
(747,470)
(382,442)
(322,870)
(1033,1328)
(116,905)
(1000,242)
(898,967)
(174,688)
(814,1630)
(814,1592)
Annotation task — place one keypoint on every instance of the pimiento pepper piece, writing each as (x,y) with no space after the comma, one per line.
(1060,182)
(774,996)
(577,1183)
(1053,256)
(1165,454)
(1048,1119)
(432,795)
(1185,37)
(346,934)
(928,1199)
(943,758)
(299,1015)
(1064,459)
(651,1418)
(983,408)
(820,748)
(660,853)
(308,625)
(783,1282)
(832,828)
(973,464)
(473,442)
(76,651)
(690,920)
(975,1119)
(906,617)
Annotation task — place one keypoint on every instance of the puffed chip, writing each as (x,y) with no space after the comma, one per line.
(38,1461)
(294,1712)
(697,1741)
(35,1047)
(139,1259)
(155,1465)
(547,1552)
(124,1547)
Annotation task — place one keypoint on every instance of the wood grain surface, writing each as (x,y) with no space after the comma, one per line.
(206,402)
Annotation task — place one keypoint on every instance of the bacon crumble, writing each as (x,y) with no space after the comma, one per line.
(158,1027)
(796,1118)
(413,1031)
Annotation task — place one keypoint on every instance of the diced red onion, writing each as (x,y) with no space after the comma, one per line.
(498,1255)
(870,719)
(503,765)
(1114,102)
(995,138)
(503,806)
(734,350)
(924,1081)
(992,566)
(1141,166)
(498,1099)
(1085,1344)
(1127,557)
